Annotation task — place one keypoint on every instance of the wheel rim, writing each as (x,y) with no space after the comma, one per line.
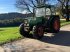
(40,31)
(56,25)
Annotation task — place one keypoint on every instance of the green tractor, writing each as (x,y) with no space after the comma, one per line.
(45,20)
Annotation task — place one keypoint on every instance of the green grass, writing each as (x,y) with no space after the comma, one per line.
(63,23)
(8,34)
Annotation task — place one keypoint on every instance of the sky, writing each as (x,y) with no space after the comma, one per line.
(52,2)
(9,6)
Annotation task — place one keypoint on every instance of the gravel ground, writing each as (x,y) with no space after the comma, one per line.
(59,42)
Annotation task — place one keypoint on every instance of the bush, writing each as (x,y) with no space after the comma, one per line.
(11,22)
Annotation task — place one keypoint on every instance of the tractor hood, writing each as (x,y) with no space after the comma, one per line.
(35,21)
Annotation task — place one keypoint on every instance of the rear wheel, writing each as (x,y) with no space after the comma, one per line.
(38,32)
(55,25)
(22,31)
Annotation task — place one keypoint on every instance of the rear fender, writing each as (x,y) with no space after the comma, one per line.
(50,21)
(52,18)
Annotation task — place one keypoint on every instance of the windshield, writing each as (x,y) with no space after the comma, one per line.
(40,12)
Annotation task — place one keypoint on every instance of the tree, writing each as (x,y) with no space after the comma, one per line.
(29,5)
(65,8)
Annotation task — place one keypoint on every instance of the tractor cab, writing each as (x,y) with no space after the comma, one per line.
(45,11)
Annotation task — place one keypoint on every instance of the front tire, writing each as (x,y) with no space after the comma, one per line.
(38,32)
(22,31)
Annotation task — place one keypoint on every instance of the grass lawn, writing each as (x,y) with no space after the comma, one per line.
(63,23)
(8,34)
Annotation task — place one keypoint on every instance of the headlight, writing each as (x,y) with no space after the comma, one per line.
(27,24)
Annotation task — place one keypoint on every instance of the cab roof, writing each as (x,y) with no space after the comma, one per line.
(47,6)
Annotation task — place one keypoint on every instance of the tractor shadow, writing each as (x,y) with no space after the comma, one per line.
(61,38)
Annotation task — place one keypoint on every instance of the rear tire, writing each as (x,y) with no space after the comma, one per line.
(55,25)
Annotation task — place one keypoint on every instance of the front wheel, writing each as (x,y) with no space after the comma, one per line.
(38,32)
(22,31)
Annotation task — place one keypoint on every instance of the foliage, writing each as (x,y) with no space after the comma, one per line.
(12,19)
(11,22)
(65,10)
(29,5)
(13,15)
